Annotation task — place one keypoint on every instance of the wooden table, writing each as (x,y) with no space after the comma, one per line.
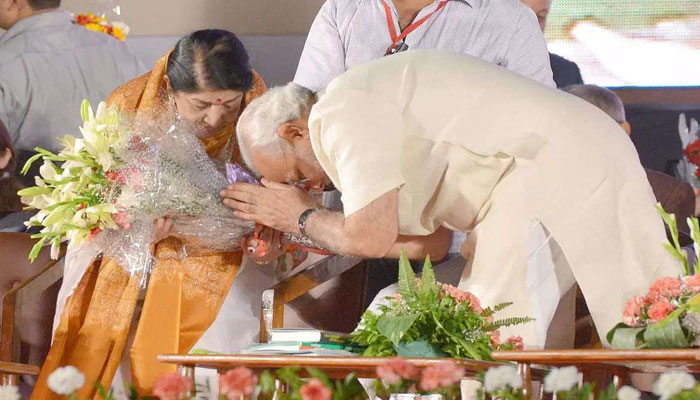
(335,367)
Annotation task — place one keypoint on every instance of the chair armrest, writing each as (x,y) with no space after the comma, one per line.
(299,284)
(12,302)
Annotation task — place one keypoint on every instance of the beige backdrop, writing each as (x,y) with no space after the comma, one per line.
(178,17)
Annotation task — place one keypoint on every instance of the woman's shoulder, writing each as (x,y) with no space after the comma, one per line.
(128,95)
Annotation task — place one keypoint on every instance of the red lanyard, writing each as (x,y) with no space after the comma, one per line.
(390,22)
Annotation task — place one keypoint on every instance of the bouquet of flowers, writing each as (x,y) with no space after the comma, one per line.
(107,188)
(668,315)
(90,21)
(687,168)
(427,319)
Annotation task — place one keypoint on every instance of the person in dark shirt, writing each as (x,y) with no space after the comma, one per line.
(565,72)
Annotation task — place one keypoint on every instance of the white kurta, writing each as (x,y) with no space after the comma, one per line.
(548,186)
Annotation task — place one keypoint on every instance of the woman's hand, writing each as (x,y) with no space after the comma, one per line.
(163,227)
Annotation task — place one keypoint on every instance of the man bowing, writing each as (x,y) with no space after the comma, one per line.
(425,142)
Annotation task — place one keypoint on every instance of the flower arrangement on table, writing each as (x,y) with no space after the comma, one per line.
(90,21)
(429,319)
(106,188)
(668,315)
(396,376)
(565,384)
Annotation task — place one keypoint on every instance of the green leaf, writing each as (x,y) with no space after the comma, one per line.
(85,110)
(668,336)
(407,279)
(29,163)
(419,349)
(34,191)
(36,249)
(622,336)
(428,277)
(202,352)
(395,327)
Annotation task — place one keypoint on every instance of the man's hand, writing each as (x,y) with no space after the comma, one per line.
(275,205)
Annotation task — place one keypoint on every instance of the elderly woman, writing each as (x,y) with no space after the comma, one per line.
(206,80)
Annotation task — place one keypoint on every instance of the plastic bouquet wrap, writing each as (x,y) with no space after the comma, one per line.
(108,187)
(427,319)
(668,315)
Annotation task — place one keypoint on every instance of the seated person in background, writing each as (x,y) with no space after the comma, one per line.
(565,72)
(9,200)
(48,65)
(675,196)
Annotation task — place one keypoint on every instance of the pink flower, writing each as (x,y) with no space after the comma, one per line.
(441,375)
(516,341)
(396,369)
(693,282)
(237,383)
(315,390)
(122,219)
(633,310)
(495,338)
(660,310)
(461,296)
(172,387)
(664,287)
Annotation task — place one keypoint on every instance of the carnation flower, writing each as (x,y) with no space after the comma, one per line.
(633,309)
(495,338)
(516,341)
(628,393)
(173,387)
(672,383)
(460,296)
(663,288)
(561,379)
(660,310)
(396,369)
(237,383)
(502,378)
(9,393)
(444,374)
(66,380)
(693,283)
(315,390)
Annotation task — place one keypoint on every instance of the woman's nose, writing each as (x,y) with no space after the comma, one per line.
(214,117)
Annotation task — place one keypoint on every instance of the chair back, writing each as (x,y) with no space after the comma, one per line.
(33,322)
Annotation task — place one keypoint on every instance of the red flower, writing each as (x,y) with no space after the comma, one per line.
(692,152)
(441,375)
(94,233)
(461,296)
(237,383)
(495,338)
(172,387)
(396,369)
(693,282)
(315,390)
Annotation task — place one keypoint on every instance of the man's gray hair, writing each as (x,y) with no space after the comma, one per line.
(258,124)
(602,98)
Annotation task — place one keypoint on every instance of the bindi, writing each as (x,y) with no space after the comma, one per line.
(218,101)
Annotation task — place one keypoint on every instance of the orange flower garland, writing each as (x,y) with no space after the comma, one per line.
(92,22)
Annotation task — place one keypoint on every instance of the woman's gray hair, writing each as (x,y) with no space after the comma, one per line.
(258,124)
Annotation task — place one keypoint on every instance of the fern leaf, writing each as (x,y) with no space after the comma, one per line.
(407,278)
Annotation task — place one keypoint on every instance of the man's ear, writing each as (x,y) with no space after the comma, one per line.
(292,130)
(627,127)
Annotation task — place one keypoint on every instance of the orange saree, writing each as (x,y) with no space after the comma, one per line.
(183,296)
